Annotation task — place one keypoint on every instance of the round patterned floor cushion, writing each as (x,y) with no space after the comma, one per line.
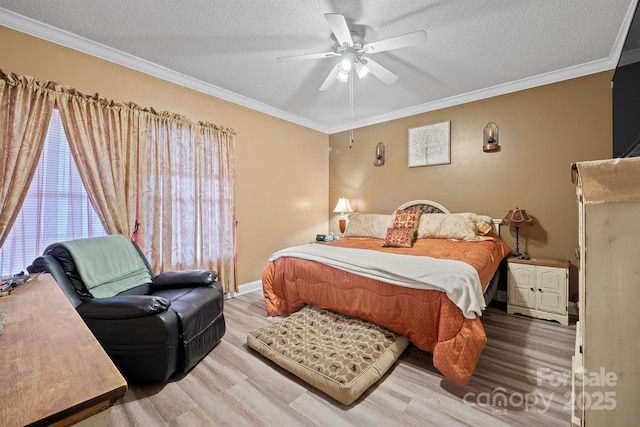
(336,354)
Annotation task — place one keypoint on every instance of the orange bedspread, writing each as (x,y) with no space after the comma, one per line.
(428,318)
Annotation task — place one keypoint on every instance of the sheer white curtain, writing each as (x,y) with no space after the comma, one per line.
(55,209)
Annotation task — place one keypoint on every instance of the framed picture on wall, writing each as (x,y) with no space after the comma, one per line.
(430,145)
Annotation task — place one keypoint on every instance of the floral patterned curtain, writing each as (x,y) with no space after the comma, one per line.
(174,177)
(187,196)
(100,135)
(218,159)
(25,110)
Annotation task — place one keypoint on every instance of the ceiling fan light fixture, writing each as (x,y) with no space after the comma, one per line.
(352,48)
(345,65)
(361,68)
(342,76)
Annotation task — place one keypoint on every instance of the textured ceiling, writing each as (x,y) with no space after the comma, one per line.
(475,48)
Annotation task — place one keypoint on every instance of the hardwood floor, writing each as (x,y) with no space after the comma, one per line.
(522,379)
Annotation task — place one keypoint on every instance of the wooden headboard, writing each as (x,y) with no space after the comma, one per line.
(430,207)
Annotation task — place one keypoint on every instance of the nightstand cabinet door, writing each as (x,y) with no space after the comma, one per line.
(538,288)
(522,282)
(552,292)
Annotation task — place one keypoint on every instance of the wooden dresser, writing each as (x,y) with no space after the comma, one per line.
(606,364)
(52,369)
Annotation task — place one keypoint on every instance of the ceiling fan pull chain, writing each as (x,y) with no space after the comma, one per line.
(351,107)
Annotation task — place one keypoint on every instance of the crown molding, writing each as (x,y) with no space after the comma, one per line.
(515,86)
(67,39)
(633,55)
(605,64)
(64,38)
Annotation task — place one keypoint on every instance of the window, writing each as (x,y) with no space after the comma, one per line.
(56,208)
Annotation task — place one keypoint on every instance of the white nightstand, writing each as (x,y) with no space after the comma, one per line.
(538,287)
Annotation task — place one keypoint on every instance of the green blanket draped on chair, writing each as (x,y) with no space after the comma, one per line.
(108,265)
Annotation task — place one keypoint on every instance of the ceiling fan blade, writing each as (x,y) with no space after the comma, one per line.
(308,56)
(331,78)
(339,27)
(396,42)
(381,72)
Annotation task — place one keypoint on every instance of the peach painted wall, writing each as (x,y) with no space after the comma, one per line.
(542,131)
(282,168)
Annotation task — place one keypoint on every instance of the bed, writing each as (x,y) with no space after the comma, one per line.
(440,318)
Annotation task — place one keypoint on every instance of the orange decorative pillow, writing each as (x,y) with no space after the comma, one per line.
(400,238)
(408,218)
(484,227)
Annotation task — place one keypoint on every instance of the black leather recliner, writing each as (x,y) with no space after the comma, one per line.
(153,330)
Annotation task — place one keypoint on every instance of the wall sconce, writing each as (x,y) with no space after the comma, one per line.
(490,139)
(379,154)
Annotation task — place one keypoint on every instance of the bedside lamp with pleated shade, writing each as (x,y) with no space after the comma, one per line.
(343,207)
(517,217)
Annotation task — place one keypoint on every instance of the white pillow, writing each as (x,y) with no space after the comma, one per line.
(458,226)
(484,223)
(368,225)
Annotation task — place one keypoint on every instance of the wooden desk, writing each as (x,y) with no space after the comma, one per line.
(52,369)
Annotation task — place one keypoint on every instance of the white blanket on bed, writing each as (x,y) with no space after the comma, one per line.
(457,279)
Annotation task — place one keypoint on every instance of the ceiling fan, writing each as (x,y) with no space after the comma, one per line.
(355,52)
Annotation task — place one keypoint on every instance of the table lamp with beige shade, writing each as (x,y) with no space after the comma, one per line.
(343,207)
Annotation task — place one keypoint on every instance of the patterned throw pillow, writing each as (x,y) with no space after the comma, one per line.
(400,238)
(408,218)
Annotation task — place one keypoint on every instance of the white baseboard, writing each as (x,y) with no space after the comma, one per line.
(246,288)
(250,287)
